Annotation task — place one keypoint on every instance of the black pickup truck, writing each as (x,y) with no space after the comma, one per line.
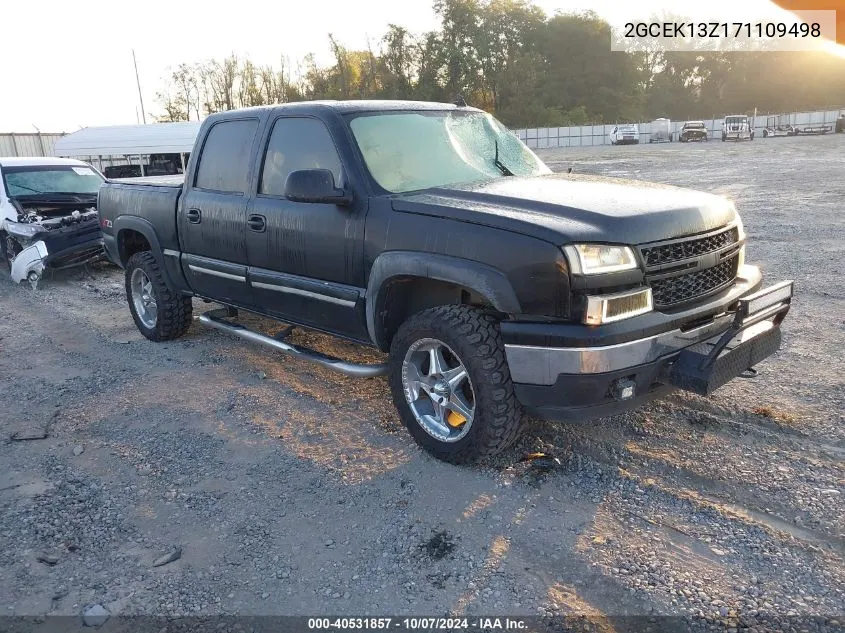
(431,232)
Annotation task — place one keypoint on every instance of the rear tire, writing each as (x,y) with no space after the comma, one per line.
(160,313)
(471,339)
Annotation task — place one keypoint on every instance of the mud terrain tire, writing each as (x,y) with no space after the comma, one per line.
(174,311)
(475,339)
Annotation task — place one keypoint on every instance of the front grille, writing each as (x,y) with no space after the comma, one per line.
(675,290)
(668,253)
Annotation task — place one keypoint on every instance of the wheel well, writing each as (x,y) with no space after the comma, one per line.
(130,242)
(404,296)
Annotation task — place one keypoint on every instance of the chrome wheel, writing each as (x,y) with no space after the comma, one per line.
(143,298)
(438,390)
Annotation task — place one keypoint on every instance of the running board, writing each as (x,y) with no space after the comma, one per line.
(356,370)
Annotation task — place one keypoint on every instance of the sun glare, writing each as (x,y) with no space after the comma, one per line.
(836,49)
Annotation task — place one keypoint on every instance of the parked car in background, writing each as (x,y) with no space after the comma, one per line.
(660,131)
(693,131)
(625,134)
(48,215)
(565,295)
(737,127)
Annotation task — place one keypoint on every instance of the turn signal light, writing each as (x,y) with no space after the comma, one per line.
(615,307)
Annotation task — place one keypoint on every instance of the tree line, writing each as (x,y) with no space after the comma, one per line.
(529,69)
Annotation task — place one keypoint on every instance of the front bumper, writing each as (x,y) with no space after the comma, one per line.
(58,249)
(73,245)
(569,370)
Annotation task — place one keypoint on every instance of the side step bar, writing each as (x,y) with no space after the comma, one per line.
(214,319)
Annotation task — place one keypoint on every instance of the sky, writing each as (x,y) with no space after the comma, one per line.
(67,65)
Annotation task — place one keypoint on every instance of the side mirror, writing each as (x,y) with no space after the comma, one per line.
(314,185)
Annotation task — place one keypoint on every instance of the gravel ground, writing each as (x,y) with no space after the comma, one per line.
(206,477)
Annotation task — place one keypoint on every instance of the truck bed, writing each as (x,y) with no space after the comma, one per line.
(175,180)
(153,198)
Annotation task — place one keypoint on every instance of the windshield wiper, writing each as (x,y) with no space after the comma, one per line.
(59,195)
(28,188)
(499,164)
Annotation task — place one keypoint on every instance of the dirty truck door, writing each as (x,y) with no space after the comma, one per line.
(212,214)
(305,259)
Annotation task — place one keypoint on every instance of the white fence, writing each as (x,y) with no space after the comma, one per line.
(31,144)
(28,144)
(587,135)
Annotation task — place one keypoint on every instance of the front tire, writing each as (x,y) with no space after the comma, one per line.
(451,384)
(159,313)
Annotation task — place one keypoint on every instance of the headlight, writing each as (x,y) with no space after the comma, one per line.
(740,228)
(26,231)
(595,259)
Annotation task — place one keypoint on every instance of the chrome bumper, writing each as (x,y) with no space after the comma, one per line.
(537,365)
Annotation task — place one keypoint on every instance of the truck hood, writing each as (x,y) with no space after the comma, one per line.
(563,208)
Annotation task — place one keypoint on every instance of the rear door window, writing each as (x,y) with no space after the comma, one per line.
(224,161)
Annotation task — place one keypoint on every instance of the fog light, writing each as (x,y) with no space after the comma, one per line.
(615,307)
(623,389)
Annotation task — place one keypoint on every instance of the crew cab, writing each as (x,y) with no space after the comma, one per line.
(48,215)
(432,233)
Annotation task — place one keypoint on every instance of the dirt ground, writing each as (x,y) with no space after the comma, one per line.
(290,489)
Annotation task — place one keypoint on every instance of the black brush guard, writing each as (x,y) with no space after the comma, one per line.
(754,335)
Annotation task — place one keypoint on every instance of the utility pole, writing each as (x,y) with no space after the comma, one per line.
(40,139)
(138,81)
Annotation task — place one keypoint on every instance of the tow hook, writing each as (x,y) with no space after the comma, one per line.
(623,389)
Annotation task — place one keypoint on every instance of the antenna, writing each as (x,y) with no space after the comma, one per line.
(138,81)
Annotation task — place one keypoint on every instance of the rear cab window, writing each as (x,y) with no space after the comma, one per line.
(224,161)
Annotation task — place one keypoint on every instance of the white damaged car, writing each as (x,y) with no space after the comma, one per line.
(48,215)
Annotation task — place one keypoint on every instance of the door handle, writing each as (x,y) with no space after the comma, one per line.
(257,223)
(194,216)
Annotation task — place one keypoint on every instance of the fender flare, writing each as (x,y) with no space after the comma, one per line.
(489,282)
(145,228)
